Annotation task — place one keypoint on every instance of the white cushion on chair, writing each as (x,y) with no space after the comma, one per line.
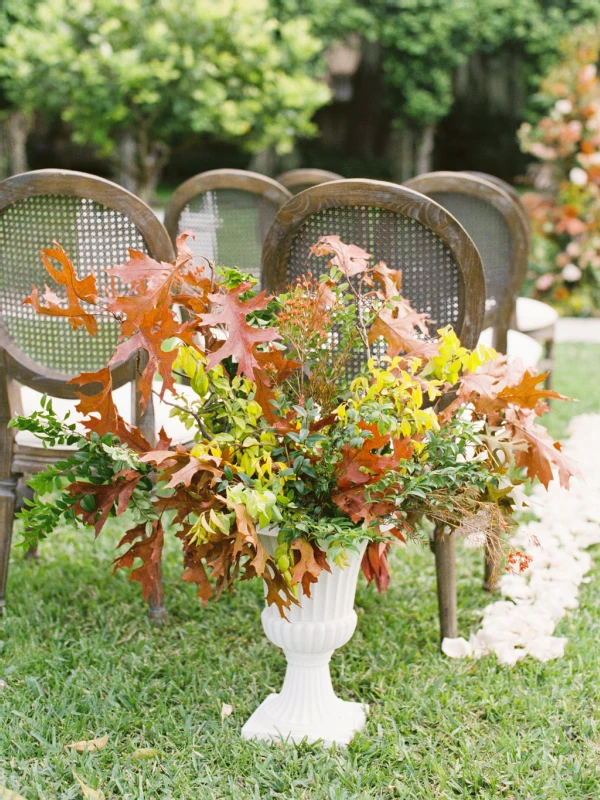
(519,346)
(30,401)
(173,426)
(533,315)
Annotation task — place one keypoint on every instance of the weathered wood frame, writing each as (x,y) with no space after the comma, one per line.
(408,203)
(214,179)
(306,177)
(544,335)
(494,195)
(392,197)
(492,191)
(16,366)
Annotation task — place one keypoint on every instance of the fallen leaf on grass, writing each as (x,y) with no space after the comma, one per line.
(8,794)
(226,711)
(145,752)
(87,791)
(89,745)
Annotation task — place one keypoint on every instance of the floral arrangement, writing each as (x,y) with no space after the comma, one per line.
(282,433)
(566,210)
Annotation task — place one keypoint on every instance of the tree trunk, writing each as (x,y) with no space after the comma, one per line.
(264,162)
(17,128)
(126,171)
(425,152)
(152,160)
(365,113)
(139,164)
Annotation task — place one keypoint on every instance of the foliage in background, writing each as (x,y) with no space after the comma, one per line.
(412,49)
(566,209)
(134,78)
(140,79)
(283,433)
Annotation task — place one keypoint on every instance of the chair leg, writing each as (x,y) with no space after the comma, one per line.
(7,511)
(444,548)
(549,358)
(157,610)
(490,569)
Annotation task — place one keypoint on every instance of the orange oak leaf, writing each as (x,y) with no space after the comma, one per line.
(500,383)
(102,403)
(404,330)
(241,337)
(359,465)
(542,452)
(390,279)
(77,290)
(149,549)
(349,258)
(274,368)
(180,467)
(526,393)
(308,565)
(195,572)
(150,313)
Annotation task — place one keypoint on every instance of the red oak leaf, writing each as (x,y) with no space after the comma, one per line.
(105,497)
(241,336)
(374,565)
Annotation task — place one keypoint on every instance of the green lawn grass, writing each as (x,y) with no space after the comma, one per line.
(80,660)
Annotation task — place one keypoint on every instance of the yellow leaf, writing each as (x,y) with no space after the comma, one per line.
(89,745)
(8,794)
(87,791)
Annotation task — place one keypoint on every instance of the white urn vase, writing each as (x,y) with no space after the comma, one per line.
(307,707)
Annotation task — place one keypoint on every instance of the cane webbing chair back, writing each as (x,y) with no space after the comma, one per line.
(229,211)
(441,269)
(512,193)
(491,218)
(297,180)
(96,222)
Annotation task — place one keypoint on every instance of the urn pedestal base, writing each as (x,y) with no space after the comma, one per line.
(307,708)
(338,727)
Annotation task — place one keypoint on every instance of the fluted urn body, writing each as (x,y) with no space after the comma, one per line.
(307,707)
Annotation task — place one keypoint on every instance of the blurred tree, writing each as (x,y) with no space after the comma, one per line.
(14,124)
(134,77)
(412,50)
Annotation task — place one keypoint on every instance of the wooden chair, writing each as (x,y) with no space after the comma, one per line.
(95,221)
(496,225)
(442,275)
(230,212)
(536,319)
(492,219)
(297,180)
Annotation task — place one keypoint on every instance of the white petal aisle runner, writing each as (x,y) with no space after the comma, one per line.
(522,623)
